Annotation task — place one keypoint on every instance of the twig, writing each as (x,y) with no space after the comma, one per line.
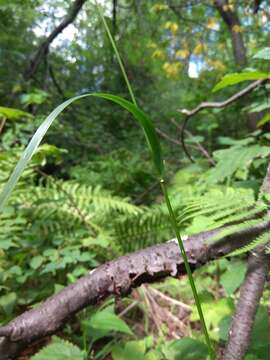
(167,137)
(222,104)
(202,149)
(44,46)
(2,124)
(170,300)
(177,142)
(128,308)
(212,105)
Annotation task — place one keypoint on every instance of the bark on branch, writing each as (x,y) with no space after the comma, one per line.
(250,294)
(44,46)
(117,277)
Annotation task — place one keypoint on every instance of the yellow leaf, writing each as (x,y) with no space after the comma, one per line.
(173,27)
(216,64)
(158,54)
(199,49)
(182,53)
(172,69)
(152,45)
(159,7)
(237,28)
(212,24)
(228,7)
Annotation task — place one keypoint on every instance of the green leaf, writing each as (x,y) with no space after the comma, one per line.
(252,357)
(105,320)
(224,327)
(146,124)
(185,349)
(31,148)
(118,353)
(59,350)
(233,277)
(36,262)
(261,330)
(264,120)
(13,114)
(134,350)
(263,54)
(37,96)
(214,312)
(7,302)
(7,244)
(235,78)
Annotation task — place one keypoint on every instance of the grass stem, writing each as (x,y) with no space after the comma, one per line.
(168,203)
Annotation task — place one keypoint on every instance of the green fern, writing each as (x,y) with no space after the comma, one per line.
(259,241)
(73,210)
(230,160)
(235,210)
(144,229)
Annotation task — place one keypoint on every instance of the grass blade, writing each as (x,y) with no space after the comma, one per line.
(138,114)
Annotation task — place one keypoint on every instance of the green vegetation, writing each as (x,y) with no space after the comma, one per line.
(85,191)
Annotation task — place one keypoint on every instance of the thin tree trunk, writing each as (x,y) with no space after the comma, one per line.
(232,21)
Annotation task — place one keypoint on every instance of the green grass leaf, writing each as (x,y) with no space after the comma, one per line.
(146,124)
(31,148)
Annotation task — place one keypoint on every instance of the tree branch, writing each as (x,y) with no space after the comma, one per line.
(212,105)
(222,104)
(250,294)
(117,277)
(44,46)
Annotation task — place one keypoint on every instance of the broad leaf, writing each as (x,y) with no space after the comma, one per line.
(234,276)
(263,54)
(59,350)
(264,120)
(235,78)
(13,114)
(105,320)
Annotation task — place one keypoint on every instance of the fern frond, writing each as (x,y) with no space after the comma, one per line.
(243,226)
(260,240)
(68,207)
(219,207)
(135,232)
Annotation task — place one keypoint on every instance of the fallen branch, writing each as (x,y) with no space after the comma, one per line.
(117,277)
(44,46)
